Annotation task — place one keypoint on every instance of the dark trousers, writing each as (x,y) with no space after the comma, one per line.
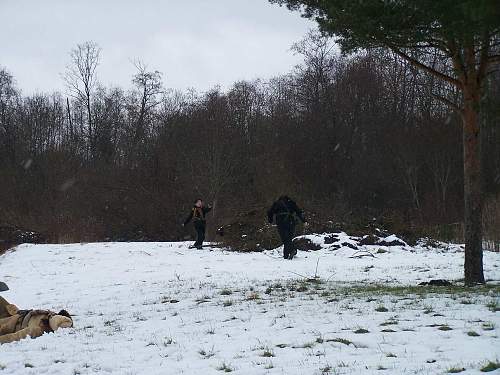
(200,226)
(286,232)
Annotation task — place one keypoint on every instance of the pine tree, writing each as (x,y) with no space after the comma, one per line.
(463,36)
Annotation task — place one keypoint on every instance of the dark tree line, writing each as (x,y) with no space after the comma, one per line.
(349,138)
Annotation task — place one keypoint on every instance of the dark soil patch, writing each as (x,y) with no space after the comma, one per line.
(305,244)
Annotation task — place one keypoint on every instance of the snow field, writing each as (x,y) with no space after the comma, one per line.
(161,308)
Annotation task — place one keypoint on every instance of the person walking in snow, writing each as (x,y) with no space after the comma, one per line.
(286,212)
(197,214)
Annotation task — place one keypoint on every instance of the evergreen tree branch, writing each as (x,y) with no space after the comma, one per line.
(455,82)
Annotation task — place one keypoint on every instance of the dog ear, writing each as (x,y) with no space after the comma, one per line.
(45,325)
(64,313)
(11,309)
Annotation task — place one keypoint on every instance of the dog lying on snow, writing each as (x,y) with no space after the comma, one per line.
(18,324)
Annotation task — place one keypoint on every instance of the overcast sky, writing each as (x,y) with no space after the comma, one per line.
(195,43)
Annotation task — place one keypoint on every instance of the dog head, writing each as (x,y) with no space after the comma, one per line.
(61,320)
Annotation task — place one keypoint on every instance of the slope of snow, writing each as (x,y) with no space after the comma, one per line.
(161,308)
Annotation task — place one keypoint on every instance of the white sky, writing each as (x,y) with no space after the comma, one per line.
(194,43)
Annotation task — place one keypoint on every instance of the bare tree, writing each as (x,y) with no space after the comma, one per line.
(8,94)
(81,80)
(150,86)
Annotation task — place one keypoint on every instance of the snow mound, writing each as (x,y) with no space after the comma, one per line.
(341,240)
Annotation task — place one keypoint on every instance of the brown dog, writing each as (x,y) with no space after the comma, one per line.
(18,324)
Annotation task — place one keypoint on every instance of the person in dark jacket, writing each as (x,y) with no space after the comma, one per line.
(286,211)
(197,214)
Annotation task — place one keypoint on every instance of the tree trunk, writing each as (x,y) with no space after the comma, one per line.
(473,266)
(91,135)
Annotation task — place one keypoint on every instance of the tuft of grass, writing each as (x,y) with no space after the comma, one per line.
(225,367)
(138,317)
(473,334)
(308,345)
(168,341)
(381,308)
(253,296)
(488,326)
(428,310)
(165,299)
(203,299)
(227,303)
(387,330)
(268,353)
(314,280)
(389,322)
(269,365)
(490,366)
(445,327)
(326,370)
(455,370)
(206,353)
(493,306)
(340,340)
(302,288)
(361,330)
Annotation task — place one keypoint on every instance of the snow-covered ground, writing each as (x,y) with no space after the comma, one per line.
(161,308)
